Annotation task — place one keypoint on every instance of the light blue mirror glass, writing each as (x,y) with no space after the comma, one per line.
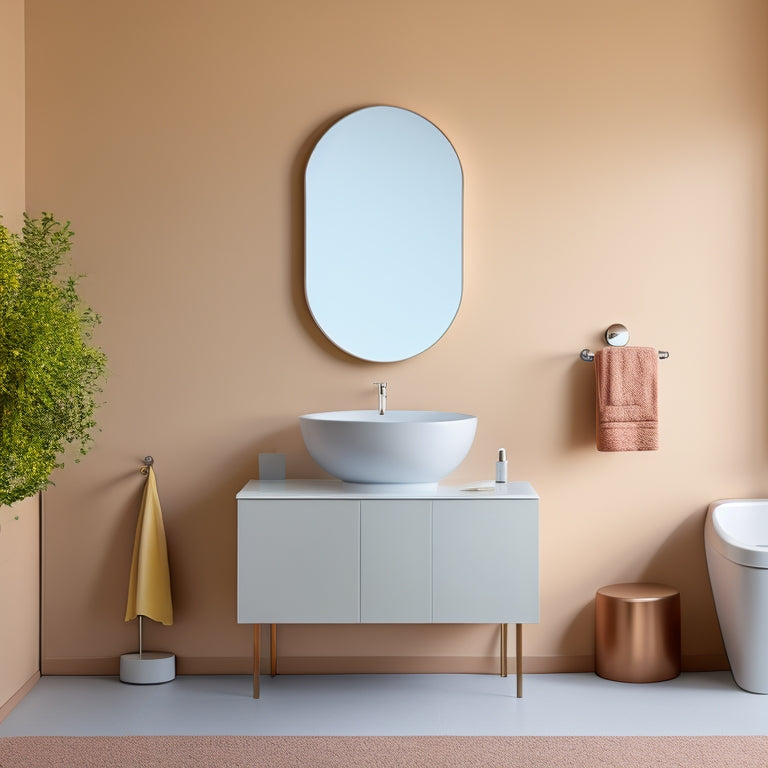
(383,258)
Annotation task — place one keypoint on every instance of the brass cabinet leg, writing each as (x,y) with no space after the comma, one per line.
(256,659)
(503,649)
(519,659)
(273,649)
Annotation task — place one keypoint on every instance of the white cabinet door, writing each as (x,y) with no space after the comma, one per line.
(395,561)
(485,561)
(298,561)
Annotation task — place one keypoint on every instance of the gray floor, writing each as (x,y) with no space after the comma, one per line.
(569,704)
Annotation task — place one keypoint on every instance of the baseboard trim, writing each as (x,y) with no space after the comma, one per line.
(234,665)
(545,665)
(206,665)
(342,665)
(103,666)
(705,662)
(9,705)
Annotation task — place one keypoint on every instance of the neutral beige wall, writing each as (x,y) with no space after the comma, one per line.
(615,171)
(19,600)
(12,123)
(19,526)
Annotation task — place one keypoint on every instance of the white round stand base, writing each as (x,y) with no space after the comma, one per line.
(147,668)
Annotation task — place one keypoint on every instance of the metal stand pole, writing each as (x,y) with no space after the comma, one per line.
(147,667)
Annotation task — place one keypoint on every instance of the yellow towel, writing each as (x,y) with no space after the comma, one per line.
(149,588)
(627,411)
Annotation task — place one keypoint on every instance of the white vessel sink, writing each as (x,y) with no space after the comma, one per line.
(400,447)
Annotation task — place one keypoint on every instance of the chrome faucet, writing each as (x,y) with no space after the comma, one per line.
(382,385)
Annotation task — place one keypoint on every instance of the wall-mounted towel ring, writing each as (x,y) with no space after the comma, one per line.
(616,335)
(148,462)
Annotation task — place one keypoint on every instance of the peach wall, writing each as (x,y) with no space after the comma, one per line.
(12,123)
(19,600)
(19,525)
(615,171)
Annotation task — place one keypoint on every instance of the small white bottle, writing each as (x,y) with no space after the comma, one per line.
(501,467)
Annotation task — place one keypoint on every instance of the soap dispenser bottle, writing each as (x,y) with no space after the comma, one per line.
(501,467)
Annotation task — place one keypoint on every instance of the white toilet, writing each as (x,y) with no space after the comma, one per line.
(736,543)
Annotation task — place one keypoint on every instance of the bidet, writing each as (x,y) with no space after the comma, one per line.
(735,536)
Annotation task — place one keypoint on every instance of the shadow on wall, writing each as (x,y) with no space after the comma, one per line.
(119,547)
(679,562)
(582,625)
(581,388)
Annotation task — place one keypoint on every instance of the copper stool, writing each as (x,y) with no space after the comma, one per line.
(637,633)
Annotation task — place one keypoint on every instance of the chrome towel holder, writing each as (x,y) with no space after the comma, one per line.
(616,335)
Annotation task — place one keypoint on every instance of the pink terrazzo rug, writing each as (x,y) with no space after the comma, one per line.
(384,752)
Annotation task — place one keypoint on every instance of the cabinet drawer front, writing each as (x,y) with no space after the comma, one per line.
(485,561)
(396,568)
(298,561)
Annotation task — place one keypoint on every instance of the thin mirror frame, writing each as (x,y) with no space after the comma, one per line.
(379,308)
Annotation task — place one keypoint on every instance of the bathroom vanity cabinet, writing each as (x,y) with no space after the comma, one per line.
(318,551)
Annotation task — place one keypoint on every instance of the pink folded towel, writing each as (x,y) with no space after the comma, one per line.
(627,411)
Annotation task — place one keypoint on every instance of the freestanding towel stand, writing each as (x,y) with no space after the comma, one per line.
(147,667)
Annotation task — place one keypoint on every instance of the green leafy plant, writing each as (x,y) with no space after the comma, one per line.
(50,371)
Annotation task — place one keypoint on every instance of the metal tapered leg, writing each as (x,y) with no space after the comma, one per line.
(256,659)
(273,649)
(519,659)
(503,649)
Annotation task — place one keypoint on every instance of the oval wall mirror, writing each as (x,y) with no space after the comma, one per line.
(383,249)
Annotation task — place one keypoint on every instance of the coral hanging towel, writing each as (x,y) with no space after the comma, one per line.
(149,588)
(627,409)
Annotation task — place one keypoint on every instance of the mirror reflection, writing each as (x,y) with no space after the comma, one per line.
(383,259)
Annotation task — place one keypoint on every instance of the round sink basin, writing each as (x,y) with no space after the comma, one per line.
(399,447)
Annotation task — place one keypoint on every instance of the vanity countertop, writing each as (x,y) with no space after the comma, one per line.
(335,489)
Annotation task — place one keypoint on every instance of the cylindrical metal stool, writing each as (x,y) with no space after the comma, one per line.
(637,633)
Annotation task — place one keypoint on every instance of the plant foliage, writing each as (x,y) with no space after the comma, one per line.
(50,371)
